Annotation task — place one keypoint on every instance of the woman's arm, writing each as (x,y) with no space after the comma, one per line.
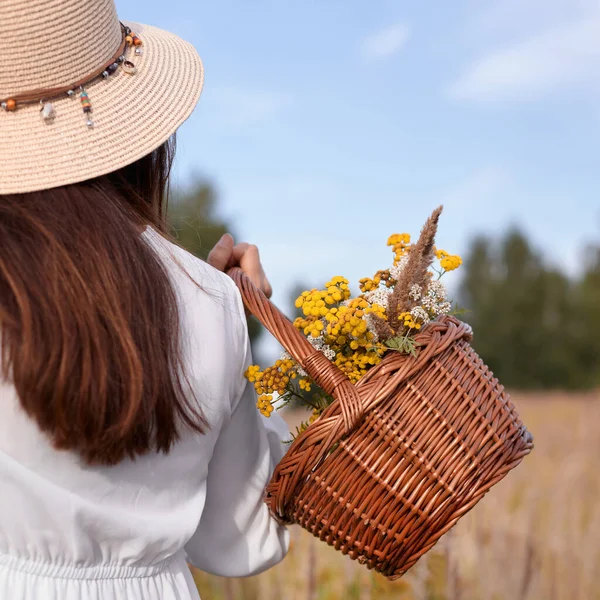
(237,536)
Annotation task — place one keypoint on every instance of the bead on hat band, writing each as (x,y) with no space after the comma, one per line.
(43,96)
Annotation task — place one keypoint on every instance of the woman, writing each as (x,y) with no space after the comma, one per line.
(129,440)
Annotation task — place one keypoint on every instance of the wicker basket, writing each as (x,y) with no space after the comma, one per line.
(399,457)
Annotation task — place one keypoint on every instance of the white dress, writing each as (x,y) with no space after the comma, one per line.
(69,531)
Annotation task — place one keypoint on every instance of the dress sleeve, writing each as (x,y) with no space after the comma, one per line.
(237,536)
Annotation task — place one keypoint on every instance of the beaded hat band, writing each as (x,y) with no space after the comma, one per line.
(140,82)
(42,96)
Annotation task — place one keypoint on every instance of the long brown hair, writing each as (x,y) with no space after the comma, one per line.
(88,318)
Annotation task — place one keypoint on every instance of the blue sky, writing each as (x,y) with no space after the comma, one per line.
(328,125)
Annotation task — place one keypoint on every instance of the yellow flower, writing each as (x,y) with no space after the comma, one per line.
(252,373)
(264,405)
(400,243)
(304,384)
(409,321)
(367,284)
(273,379)
(398,238)
(450,262)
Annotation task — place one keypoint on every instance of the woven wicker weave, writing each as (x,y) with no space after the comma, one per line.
(399,457)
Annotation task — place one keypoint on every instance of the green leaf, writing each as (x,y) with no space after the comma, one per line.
(458,311)
(394,343)
(403,344)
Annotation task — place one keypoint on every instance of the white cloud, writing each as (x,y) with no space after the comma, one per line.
(385,42)
(535,66)
(237,107)
(522,17)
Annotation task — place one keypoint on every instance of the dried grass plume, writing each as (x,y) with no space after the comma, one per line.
(420,258)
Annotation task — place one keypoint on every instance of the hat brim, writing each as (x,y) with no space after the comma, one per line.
(132,114)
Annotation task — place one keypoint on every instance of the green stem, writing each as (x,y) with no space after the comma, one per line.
(440,274)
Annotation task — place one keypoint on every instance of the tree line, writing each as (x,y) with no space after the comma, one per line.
(535,326)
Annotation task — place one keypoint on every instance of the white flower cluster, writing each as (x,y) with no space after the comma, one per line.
(328,352)
(437,289)
(318,344)
(416,292)
(429,303)
(396,270)
(420,314)
(379,296)
(444,308)
(434,302)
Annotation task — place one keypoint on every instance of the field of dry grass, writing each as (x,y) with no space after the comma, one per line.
(535,536)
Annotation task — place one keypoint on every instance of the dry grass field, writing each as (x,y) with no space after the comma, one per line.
(535,536)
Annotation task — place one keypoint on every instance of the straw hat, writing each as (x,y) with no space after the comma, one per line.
(81,95)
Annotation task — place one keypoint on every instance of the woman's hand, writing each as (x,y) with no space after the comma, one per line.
(227,254)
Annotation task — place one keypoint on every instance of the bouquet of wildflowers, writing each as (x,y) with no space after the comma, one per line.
(355,333)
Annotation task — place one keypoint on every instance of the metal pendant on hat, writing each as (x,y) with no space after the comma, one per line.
(129,68)
(47,111)
(43,97)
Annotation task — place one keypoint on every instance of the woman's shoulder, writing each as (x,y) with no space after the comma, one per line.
(212,321)
(195,277)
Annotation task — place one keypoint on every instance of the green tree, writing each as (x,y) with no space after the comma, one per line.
(588,330)
(194,218)
(501,289)
(477,291)
(533,326)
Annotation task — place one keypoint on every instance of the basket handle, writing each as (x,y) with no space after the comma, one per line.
(315,363)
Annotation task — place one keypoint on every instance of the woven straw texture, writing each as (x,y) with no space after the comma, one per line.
(53,43)
(399,457)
